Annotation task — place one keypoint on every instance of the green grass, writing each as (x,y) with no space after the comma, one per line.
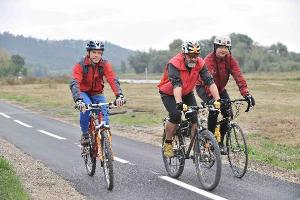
(10,186)
(136,119)
(279,155)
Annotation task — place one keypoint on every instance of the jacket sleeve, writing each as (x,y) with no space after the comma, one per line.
(206,77)
(174,75)
(112,79)
(238,76)
(76,81)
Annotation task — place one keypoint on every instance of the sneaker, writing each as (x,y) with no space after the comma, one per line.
(84,139)
(223,149)
(168,150)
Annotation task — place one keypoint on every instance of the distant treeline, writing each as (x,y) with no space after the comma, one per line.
(251,56)
(51,57)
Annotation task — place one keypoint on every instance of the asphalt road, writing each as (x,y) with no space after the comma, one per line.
(138,168)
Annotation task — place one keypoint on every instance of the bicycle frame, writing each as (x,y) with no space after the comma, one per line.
(96,127)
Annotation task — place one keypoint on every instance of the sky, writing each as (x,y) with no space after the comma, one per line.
(141,25)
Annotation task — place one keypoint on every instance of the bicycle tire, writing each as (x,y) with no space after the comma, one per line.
(207,160)
(107,156)
(89,159)
(237,150)
(174,165)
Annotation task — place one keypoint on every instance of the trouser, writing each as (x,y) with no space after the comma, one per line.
(85,117)
(170,104)
(226,111)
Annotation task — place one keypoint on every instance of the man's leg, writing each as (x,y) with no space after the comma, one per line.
(171,125)
(84,120)
(104,111)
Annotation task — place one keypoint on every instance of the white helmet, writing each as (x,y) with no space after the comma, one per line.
(191,47)
(94,45)
(223,41)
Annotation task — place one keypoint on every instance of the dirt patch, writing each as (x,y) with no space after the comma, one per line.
(39,181)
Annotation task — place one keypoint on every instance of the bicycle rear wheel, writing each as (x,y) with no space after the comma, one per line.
(89,159)
(207,160)
(174,165)
(237,150)
(107,160)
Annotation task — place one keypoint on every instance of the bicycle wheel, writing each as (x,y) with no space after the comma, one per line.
(237,150)
(174,165)
(89,159)
(207,160)
(107,160)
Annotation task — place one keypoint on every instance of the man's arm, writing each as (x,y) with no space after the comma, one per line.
(75,82)
(209,81)
(112,79)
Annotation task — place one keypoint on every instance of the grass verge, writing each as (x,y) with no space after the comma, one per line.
(10,186)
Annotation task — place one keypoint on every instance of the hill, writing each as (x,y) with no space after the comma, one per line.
(44,57)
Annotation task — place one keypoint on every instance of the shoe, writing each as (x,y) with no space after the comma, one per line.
(223,149)
(168,150)
(85,139)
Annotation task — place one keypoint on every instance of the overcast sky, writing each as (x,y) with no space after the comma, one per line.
(138,24)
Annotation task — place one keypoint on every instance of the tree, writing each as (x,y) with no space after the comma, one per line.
(139,62)
(18,60)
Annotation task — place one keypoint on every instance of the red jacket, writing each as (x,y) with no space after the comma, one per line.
(89,79)
(188,79)
(220,69)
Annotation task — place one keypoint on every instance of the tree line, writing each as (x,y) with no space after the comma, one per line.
(11,65)
(251,56)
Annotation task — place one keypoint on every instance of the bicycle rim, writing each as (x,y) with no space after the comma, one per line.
(207,160)
(237,151)
(107,161)
(174,165)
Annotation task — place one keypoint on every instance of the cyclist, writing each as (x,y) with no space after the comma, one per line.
(221,64)
(87,84)
(176,88)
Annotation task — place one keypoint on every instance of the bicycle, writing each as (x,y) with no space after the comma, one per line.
(99,146)
(235,141)
(206,155)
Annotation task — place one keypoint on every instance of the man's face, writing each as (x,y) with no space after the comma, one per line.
(222,51)
(96,55)
(191,59)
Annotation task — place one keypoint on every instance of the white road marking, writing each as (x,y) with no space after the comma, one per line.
(192,188)
(51,134)
(4,115)
(122,160)
(23,124)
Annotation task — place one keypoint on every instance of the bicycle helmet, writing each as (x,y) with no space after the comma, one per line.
(94,45)
(191,47)
(223,41)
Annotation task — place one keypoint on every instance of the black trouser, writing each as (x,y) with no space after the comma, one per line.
(226,111)
(170,104)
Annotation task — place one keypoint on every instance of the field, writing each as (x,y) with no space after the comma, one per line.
(272,127)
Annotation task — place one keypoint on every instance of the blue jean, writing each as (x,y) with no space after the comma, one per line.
(85,118)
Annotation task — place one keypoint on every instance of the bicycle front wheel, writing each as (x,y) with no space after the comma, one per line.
(207,160)
(174,165)
(107,156)
(237,150)
(89,159)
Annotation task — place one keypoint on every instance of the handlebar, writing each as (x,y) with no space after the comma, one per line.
(98,106)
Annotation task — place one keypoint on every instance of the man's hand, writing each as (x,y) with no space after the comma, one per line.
(120,100)
(215,103)
(250,100)
(181,106)
(80,105)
